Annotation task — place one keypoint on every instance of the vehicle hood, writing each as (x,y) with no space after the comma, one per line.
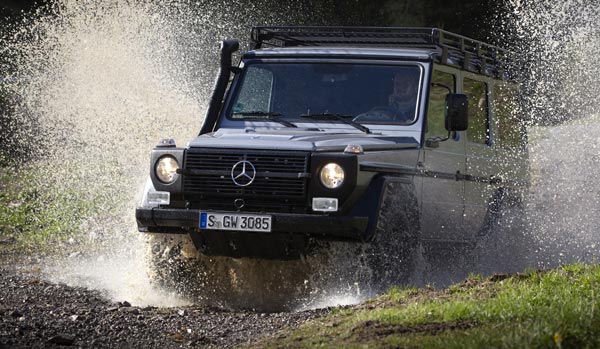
(299,139)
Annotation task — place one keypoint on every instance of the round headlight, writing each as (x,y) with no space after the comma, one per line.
(166,169)
(332,175)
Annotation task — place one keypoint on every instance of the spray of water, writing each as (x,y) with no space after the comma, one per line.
(97,84)
(555,44)
(560,40)
(105,84)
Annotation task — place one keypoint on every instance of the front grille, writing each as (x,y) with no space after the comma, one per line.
(279,175)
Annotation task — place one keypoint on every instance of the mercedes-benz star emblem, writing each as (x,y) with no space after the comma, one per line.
(243,173)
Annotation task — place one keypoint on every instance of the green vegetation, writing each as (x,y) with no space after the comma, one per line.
(539,309)
(33,215)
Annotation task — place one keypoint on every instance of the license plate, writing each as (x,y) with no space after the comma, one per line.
(235,221)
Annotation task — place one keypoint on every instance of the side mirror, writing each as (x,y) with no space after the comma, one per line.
(457,115)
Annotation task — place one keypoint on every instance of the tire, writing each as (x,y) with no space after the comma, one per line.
(169,259)
(338,269)
(174,264)
(355,271)
(393,253)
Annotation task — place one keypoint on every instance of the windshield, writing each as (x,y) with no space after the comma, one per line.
(303,92)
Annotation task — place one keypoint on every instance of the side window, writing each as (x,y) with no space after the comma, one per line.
(436,106)
(256,94)
(479,128)
(510,129)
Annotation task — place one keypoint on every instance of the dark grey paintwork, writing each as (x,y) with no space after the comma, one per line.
(455,180)
(300,140)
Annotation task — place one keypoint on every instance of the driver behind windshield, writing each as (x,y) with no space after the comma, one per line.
(403,99)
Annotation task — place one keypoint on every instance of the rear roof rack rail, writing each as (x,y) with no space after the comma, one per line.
(452,49)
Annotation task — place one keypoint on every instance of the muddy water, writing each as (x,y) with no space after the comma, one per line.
(106,81)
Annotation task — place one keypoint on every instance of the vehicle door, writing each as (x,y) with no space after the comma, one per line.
(481,161)
(443,157)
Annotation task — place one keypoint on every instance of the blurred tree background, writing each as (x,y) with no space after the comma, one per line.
(473,18)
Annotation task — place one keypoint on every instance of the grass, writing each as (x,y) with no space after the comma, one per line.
(539,309)
(35,216)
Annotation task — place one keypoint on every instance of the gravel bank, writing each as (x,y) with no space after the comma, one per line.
(37,313)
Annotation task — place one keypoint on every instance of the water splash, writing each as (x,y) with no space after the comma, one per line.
(119,276)
(556,43)
(97,84)
(561,40)
(102,82)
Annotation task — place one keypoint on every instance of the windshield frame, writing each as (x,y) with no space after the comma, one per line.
(235,89)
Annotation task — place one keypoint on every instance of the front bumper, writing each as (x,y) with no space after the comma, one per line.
(168,220)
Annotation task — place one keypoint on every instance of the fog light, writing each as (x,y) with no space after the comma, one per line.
(159,197)
(325,204)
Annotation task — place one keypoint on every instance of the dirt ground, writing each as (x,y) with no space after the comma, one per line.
(38,313)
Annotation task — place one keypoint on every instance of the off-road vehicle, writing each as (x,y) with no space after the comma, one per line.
(386,136)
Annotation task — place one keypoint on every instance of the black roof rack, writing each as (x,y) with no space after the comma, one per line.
(453,49)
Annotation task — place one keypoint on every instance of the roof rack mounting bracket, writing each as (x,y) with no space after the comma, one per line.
(452,49)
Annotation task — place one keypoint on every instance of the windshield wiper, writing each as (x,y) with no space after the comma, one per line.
(341,117)
(257,115)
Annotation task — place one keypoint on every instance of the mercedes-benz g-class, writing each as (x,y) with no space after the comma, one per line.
(368,134)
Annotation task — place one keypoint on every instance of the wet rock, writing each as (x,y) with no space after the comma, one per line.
(130,310)
(62,339)
(182,312)
(203,340)
(15,313)
(125,304)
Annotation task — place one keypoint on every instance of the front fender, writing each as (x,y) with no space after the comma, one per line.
(370,203)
